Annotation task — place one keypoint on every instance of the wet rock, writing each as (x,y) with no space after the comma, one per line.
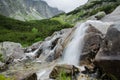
(108,56)
(57,52)
(92,43)
(51,49)
(33,47)
(69,70)
(32,76)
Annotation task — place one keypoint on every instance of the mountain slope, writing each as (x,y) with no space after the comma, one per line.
(90,8)
(27,9)
(28,32)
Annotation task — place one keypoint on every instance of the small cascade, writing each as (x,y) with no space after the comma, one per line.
(74,48)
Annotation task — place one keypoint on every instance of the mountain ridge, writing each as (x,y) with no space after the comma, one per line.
(27,9)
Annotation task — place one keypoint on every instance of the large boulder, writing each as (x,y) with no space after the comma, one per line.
(92,41)
(108,56)
(11,51)
(67,69)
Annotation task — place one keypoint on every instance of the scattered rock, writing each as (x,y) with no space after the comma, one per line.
(69,70)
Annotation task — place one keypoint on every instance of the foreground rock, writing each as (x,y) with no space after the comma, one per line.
(11,51)
(108,56)
(68,70)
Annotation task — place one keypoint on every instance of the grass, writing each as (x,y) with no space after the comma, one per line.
(62,76)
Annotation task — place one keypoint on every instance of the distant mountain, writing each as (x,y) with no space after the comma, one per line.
(27,9)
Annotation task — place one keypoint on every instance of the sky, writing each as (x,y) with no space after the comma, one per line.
(66,5)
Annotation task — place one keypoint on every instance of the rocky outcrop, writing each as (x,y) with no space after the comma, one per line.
(68,70)
(108,56)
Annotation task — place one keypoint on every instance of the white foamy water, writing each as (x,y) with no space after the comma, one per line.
(74,48)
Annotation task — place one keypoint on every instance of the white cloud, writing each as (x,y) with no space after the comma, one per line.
(66,5)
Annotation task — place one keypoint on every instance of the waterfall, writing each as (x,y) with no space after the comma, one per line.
(74,48)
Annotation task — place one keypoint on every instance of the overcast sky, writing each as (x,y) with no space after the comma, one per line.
(66,5)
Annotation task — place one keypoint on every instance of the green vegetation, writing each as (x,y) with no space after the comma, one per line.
(2,77)
(62,76)
(89,9)
(27,33)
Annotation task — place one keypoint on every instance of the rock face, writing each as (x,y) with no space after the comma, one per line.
(108,56)
(92,40)
(91,46)
(69,70)
(27,9)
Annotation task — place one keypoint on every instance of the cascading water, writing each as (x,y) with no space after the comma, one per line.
(74,48)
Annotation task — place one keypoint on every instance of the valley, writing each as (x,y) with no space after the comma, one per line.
(79,45)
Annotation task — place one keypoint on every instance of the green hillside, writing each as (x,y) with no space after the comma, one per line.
(28,32)
(87,10)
